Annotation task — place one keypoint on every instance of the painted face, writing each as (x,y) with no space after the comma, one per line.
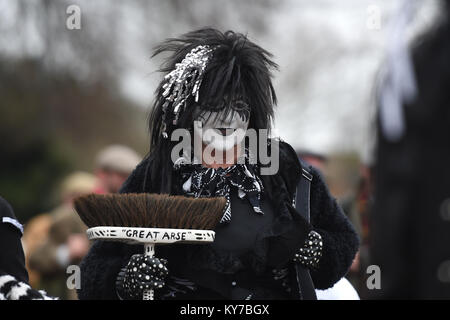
(222,132)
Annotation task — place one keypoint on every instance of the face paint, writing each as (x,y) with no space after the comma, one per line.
(220,131)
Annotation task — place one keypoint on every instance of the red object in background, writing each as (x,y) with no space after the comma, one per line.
(99,190)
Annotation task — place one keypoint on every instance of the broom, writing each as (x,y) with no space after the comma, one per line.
(150,219)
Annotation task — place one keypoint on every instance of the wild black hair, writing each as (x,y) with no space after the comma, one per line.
(239,70)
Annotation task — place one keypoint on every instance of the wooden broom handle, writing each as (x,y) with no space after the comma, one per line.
(149,250)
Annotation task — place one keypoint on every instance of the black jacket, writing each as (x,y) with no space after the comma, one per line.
(103,262)
(12,259)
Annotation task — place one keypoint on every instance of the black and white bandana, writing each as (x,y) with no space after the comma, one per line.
(200,181)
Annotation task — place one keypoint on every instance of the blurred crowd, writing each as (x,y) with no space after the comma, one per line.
(56,239)
(355,198)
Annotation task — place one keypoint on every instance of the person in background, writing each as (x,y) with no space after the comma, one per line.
(34,235)
(66,242)
(343,289)
(360,208)
(410,217)
(12,259)
(317,160)
(113,166)
(13,274)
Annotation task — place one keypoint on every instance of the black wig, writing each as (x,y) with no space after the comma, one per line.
(238,70)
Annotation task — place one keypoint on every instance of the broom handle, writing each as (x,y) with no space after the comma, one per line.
(149,251)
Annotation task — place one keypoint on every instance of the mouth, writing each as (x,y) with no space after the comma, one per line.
(226,131)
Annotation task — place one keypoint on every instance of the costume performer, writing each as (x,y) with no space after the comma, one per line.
(222,81)
(410,228)
(13,274)
(12,258)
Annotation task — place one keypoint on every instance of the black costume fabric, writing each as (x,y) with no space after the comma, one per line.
(14,289)
(201,181)
(12,258)
(251,267)
(409,221)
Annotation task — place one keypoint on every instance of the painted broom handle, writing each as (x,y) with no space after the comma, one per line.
(149,251)
(155,235)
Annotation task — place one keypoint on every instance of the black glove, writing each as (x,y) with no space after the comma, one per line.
(311,252)
(141,273)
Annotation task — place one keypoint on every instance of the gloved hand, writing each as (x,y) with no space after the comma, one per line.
(311,252)
(141,273)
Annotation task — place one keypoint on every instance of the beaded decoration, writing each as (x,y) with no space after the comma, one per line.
(311,252)
(200,181)
(184,81)
(141,273)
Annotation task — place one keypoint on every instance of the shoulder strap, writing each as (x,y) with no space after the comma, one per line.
(302,204)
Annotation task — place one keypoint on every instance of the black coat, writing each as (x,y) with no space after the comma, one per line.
(12,258)
(104,260)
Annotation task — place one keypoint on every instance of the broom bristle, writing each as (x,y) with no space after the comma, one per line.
(148,210)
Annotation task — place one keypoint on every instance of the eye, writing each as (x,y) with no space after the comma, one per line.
(240,105)
(242,108)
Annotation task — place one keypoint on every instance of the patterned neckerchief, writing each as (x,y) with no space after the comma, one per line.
(200,181)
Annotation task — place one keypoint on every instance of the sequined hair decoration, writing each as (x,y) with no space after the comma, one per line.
(184,81)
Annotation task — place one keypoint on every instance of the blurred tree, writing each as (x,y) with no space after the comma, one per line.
(50,124)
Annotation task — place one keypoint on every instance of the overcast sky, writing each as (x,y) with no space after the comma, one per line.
(328,51)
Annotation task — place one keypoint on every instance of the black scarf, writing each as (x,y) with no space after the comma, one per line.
(201,181)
